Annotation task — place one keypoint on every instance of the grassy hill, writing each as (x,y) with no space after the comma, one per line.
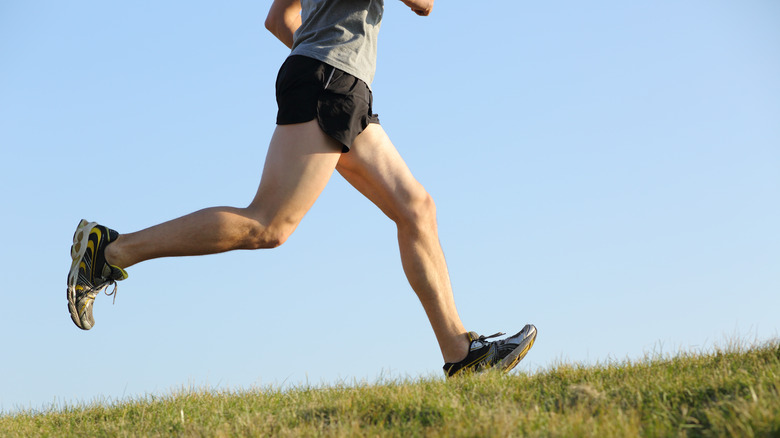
(724,392)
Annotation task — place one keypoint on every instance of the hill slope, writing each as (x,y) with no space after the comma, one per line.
(732,392)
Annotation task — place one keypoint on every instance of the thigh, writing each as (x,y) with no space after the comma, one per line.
(375,168)
(300,161)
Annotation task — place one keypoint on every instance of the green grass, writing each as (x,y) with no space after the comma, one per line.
(724,392)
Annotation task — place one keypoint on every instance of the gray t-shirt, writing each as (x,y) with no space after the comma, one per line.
(341,33)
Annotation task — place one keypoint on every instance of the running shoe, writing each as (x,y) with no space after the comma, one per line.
(89,272)
(503,354)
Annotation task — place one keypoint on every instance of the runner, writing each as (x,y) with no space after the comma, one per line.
(324,122)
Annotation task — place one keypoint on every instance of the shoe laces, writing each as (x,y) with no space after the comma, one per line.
(113,292)
(483,337)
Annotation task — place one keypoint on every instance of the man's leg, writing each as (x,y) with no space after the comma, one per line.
(374,167)
(301,158)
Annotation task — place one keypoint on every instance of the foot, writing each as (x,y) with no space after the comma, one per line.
(503,354)
(89,272)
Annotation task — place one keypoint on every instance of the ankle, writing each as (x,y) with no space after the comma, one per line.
(458,349)
(111,254)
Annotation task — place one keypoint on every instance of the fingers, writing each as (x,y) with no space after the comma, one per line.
(422,8)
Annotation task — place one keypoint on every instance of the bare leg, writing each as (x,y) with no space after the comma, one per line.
(374,167)
(300,161)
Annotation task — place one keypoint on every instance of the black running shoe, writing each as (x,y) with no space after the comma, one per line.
(503,354)
(89,272)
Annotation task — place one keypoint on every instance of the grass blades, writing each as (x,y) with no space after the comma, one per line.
(730,392)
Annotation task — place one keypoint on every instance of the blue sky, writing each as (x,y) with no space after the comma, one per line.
(608,171)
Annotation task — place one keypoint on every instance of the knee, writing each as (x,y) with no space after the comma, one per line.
(272,239)
(420,212)
(268,237)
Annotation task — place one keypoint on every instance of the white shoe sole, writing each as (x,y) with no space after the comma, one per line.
(77,251)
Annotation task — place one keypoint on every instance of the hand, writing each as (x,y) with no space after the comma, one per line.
(422,8)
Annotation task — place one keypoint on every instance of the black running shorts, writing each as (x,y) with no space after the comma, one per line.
(307,89)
